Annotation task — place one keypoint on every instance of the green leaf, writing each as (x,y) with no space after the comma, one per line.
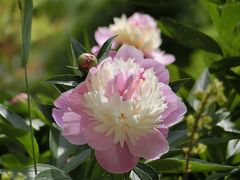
(76,47)
(29,172)
(219,115)
(26,8)
(13,118)
(57,143)
(224,64)
(173,152)
(188,36)
(86,40)
(145,171)
(142,174)
(22,136)
(52,174)
(46,109)
(200,85)
(105,49)
(177,136)
(77,160)
(61,88)
(65,79)
(177,165)
(216,176)
(60,148)
(235,83)
(12,161)
(218,1)
(175,85)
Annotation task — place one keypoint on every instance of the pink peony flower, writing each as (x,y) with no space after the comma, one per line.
(139,30)
(122,110)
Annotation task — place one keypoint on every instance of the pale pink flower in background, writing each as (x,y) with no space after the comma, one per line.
(122,110)
(139,30)
(21,97)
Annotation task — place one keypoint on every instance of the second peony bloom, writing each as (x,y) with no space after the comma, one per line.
(122,110)
(139,30)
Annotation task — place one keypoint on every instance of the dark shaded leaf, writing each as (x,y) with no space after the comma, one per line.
(217,116)
(216,176)
(57,143)
(29,172)
(177,136)
(175,85)
(26,8)
(142,174)
(22,136)
(77,160)
(46,109)
(105,49)
(145,171)
(60,148)
(224,64)
(65,79)
(173,152)
(188,36)
(235,83)
(52,174)
(76,47)
(177,165)
(61,88)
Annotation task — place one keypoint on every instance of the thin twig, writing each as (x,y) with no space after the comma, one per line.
(30,119)
(194,131)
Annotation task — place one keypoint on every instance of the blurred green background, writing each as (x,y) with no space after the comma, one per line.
(50,50)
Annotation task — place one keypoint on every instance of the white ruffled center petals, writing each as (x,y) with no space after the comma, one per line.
(124,100)
(146,38)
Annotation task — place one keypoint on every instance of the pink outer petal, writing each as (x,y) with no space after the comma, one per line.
(143,20)
(98,141)
(177,115)
(150,146)
(116,159)
(95,50)
(161,57)
(77,99)
(72,129)
(62,101)
(102,34)
(125,52)
(159,69)
(62,104)
(164,131)
(57,115)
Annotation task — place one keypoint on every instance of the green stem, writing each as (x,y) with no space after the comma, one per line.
(30,119)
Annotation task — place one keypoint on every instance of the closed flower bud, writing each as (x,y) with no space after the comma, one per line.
(86,61)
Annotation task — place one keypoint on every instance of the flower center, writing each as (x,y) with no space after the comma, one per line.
(124,100)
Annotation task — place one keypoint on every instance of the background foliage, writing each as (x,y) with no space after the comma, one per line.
(204,35)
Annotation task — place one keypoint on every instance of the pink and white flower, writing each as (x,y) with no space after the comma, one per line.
(139,30)
(122,110)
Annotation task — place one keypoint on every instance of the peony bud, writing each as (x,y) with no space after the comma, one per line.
(86,61)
